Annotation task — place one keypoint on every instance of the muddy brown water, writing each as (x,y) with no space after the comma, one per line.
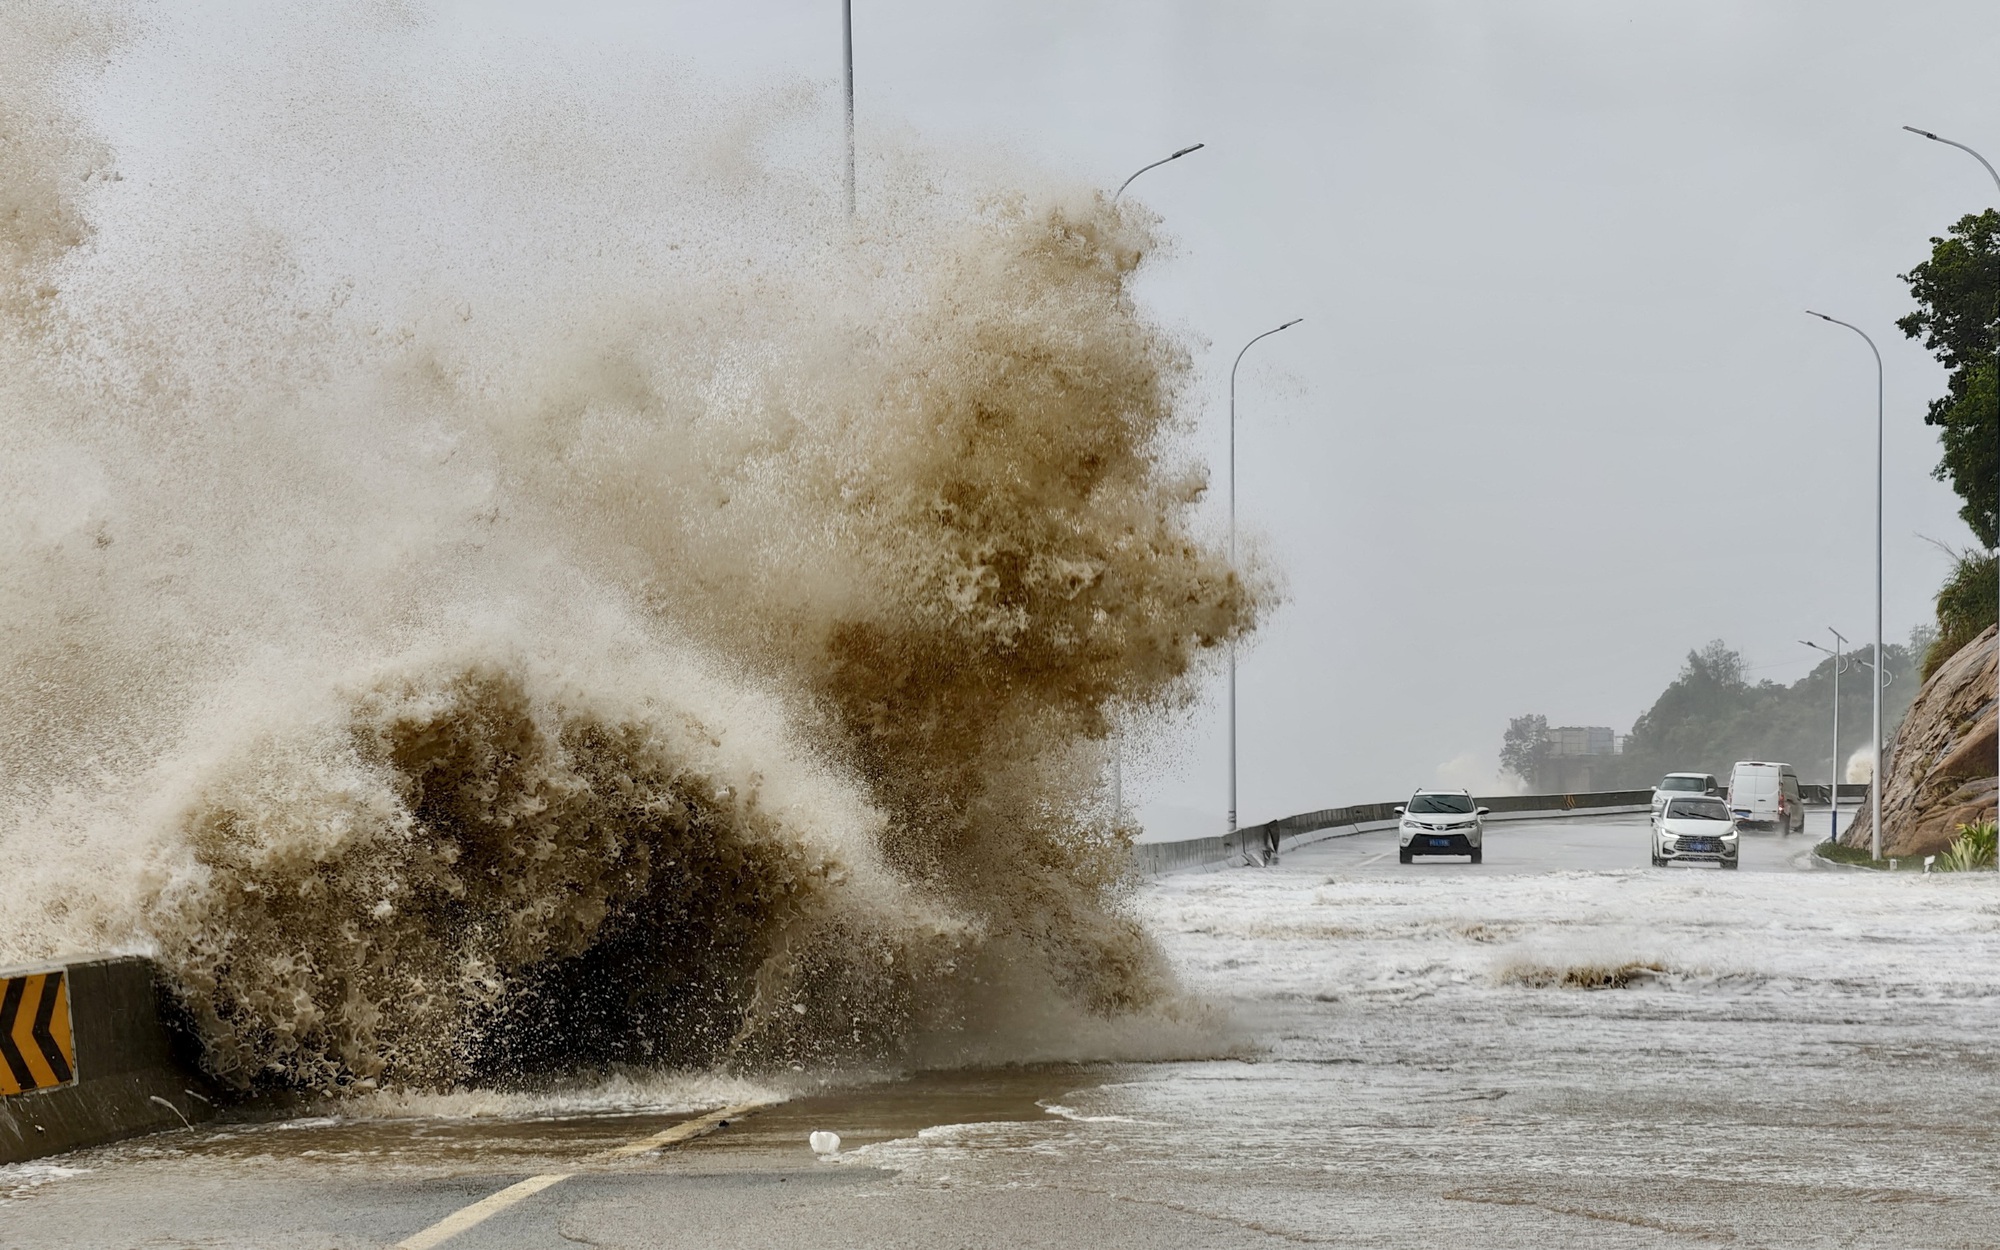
(862,1114)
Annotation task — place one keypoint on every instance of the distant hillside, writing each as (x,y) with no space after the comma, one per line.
(1711,716)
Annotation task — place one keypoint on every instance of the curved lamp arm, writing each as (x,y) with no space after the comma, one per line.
(1953,143)
(1155,165)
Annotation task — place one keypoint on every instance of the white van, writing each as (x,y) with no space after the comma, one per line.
(1767,794)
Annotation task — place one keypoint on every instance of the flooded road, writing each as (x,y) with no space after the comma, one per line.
(1561,1046)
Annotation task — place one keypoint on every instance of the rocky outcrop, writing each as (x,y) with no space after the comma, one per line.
(1941,765)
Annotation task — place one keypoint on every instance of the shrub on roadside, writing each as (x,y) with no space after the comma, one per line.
(1972,849)
(1965,606)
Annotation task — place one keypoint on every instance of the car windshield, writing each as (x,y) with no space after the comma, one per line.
(1459,804)
(1698,809)
(1697,784)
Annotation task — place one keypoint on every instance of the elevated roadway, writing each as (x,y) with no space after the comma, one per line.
(1562,1046)
(1591,843)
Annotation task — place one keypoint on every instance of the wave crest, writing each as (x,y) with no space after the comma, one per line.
(525,631)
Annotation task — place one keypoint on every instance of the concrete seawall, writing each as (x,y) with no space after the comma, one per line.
(90,1045)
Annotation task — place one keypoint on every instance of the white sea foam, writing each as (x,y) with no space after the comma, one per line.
(18,1179)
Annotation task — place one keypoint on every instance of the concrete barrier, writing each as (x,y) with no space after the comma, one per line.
(1247,844)
(125,1070)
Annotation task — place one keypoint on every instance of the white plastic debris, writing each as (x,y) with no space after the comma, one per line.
(824,1143)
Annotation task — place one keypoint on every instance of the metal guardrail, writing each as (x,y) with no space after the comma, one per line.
(1817,792)
(1155,858)
(1247,845)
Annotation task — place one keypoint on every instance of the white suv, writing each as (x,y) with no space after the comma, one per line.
(1439,822)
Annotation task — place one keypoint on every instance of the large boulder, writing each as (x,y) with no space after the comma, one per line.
(1941,765)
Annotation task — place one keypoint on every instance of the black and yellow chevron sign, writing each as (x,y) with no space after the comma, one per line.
(36,1050)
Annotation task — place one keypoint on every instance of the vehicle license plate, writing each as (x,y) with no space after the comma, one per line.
(1440,841)
(1700,844)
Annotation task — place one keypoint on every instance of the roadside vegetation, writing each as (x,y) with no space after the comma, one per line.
(1835,853)
(1957,292)
(1965,605)
(1971,851)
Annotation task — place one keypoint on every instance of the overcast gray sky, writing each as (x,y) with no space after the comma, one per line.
(1555,416)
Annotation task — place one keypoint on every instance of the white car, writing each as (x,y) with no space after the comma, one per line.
(1440,822)
(1683,783)
(1694,828)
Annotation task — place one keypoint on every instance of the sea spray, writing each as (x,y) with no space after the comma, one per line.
(615,612)
(481,870)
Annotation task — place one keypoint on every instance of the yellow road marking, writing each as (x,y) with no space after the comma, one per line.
(687,1130)
(486,1208)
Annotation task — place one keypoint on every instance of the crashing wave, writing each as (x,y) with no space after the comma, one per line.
(616,613)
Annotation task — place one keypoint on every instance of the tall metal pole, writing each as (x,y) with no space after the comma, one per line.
(1996,399)
(847,40)
(1875,780)
(1119,787)
(1833,792)
(1155,165)
(1232,556)
(1833,800)
(1118,748)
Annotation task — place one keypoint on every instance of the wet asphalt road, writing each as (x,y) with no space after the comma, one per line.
(1591,843)
(1562,1046)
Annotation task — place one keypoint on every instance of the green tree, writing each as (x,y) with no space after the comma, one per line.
(1958,305)
(1525,747)
(1703,703)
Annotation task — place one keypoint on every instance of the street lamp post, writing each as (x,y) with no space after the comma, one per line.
(1833,790)
(1118,752)
(847,47)
(1232,558)
(1155,165)
(1875,780)
(1996,393)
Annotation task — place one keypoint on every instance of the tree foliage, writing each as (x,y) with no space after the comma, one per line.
(1958,308)
(1525,746)
(1965,606)
(1713,715)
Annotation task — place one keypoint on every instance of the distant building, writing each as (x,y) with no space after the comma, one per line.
(1577,754)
